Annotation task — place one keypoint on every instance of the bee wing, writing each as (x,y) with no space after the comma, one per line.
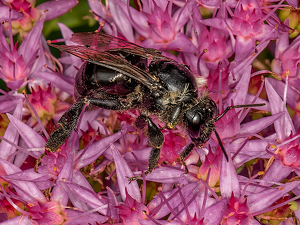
(113,62)
(106,42)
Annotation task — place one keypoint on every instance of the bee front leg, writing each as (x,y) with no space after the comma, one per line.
(175,115)
(156,139)
(185,153)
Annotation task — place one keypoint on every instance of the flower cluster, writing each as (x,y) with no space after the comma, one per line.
(246,51)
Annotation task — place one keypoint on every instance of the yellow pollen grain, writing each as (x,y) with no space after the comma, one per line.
(54,168)
(199,176)
(236,205)
(273,146)
(287,73)
(260,173)
(231,214)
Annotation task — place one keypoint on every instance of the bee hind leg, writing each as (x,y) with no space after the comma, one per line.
(112,104)
(65,126)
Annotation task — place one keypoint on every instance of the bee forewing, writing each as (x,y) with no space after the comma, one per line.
(105,42)
(110,61)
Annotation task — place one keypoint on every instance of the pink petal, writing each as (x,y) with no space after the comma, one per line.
(54,9)
(11,134)
(123,173)
(4,14)
(28,190)
(284,125)
(96,149)
(229,182)
(264,199)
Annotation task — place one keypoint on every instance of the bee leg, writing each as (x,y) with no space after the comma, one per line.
(156,139)
(65,125)
(185,153)
(113,104)
(38,161)
(175,116)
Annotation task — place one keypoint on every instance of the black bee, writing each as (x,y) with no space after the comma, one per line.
(120,75)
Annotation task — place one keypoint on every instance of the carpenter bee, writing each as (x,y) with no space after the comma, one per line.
(119,75)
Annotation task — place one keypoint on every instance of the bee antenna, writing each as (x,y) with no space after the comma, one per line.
(221,144)
(235,107)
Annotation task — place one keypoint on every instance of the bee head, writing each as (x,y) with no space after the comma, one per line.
(200,120)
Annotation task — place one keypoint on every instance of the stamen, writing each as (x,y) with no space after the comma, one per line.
(10,33)
(202,211)
(271,208)
(198,62)
(270,13)
(36,116)
(254,100)
(220,85)
(8,198)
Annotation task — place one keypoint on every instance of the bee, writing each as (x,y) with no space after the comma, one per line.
(119,75)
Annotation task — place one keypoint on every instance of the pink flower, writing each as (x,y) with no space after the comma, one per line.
(30,14)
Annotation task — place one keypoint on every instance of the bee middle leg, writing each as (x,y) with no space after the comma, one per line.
(156,139)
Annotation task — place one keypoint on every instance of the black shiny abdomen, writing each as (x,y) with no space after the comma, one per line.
(97,81)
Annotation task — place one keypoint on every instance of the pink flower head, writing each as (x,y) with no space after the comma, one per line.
(43,102)
(290,153)
(30,14)
(174,142)
(211,167)
(236,211)
(132,211)
(247,25)
(158,22)
(226,43)
(287,60)
(47,213)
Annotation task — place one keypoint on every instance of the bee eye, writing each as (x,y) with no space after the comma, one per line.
(196,121)
(194,124)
